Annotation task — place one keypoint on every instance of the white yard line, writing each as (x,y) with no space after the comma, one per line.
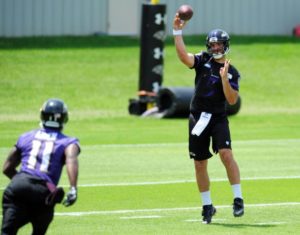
(247,142)
(116,184)
(183,181)
(269,223)
(142,217)
(114,212)
(199,220)
(250,142)
(222,220)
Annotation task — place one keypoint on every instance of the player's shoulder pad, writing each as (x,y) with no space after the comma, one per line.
(203,55)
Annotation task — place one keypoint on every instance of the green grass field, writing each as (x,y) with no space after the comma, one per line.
(135,173)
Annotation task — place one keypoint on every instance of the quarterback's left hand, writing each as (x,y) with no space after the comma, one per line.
(224,70)
(71,197)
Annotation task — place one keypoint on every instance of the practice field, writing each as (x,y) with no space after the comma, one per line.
(135,173)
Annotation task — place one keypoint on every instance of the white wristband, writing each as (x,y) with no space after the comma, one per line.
(177,32)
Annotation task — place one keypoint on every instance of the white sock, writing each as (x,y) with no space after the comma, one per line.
(206,200)
(237,190)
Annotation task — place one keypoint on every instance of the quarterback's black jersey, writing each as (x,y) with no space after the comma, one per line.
(209,95)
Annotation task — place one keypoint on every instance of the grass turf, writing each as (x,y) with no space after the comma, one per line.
(97,75)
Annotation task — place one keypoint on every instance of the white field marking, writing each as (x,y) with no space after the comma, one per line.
(142,217)
(269,223)
(85,213)
(200,220)
(184,181)
(250,142)
(222,220)
(177,182)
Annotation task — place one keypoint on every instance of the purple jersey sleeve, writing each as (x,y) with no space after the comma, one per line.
(42,153)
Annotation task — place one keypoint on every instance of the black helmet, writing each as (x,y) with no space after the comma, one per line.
(217,35)
(54,113)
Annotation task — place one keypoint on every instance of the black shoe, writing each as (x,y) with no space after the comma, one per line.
(238,207)
(208,212)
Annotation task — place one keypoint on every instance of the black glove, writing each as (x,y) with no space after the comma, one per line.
(71,197)
(55,197)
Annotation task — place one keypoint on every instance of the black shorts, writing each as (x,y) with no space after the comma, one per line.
(217,130)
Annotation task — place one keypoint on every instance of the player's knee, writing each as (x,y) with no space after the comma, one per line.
(226,155)
(200,165)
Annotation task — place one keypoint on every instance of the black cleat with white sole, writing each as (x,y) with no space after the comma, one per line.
(238,207)
(208,211)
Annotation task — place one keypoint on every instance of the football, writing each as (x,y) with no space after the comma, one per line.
(185,12)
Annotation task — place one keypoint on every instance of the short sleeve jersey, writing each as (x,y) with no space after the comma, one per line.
(42,153)
(209,95)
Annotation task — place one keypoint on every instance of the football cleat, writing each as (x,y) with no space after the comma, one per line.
(208,211)
(238,207)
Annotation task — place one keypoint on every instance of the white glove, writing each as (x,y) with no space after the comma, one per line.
(71,197)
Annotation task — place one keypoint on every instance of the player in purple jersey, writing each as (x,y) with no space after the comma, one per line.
(216,82)
(32,193)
